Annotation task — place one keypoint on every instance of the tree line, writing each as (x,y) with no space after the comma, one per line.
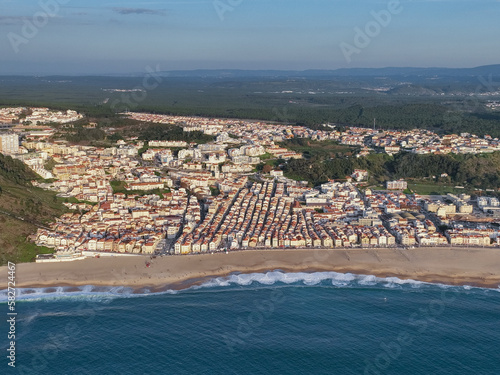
(173,133)
(474,170)
(16,171)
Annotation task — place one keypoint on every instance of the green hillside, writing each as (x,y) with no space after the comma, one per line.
(23,208)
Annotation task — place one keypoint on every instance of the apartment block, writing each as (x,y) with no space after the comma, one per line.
(9,143)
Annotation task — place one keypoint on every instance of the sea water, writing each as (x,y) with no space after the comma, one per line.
(269,323)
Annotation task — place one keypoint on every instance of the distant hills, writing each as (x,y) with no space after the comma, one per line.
(345,72)
(312,74)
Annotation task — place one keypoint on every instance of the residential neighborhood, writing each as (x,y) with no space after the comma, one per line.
(141,197)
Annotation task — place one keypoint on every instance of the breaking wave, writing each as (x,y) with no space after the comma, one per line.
(327,279)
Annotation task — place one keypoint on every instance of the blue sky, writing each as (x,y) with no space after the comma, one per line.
(118,37)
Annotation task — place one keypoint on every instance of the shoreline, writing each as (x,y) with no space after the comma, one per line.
(453,266)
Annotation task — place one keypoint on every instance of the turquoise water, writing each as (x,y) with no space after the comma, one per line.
(273,323)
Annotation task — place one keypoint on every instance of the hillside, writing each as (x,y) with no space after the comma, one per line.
(23,208)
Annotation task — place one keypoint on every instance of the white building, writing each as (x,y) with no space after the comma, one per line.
(397,185)
(9,143)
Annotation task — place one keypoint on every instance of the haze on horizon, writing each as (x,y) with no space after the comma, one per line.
(94,37)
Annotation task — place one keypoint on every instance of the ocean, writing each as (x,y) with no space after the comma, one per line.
(269,323)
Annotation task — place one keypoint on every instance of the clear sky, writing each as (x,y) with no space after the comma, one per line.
(91,36)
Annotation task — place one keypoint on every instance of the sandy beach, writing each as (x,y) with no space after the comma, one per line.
(457,266)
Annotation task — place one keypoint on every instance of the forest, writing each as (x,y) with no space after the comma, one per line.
(173,133)
(444,106)
(15,171)
(468,170)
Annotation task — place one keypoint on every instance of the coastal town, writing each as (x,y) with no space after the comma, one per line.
(160,197)
(418,141)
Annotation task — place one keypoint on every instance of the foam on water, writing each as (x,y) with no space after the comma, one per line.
(55,293)
(316,278)
(339,280)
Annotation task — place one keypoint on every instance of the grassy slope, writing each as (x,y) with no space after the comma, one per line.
(435,188)
(36,206)
(309,148)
